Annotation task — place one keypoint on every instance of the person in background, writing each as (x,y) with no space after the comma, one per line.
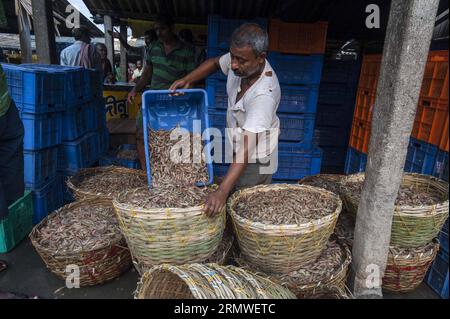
(117,72)
(149,37)
(108,74)
(168,59)
(82,52)
(11,152)
(136,76)
(253,97)
(187,37)
(131,68)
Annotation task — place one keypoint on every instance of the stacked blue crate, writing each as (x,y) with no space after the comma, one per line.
(39,96)
(337,95)
(421,159)
(299,77)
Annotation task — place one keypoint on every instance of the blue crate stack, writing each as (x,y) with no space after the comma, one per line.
(299,77)
(55,105)
(335,108)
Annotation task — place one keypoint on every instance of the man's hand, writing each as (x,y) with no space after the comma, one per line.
(215,202)
(180,84)
(131,96)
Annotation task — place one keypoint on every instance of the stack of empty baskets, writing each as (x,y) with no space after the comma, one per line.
(65,127)
(296,55)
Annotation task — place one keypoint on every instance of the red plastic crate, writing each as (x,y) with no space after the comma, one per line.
(430,120)
(365,101)
(297,38)
(360,135)
(370,72)
(435,79)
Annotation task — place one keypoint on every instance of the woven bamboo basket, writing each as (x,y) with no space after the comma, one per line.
(412,226)
(207,281)
(406,268)
(333,282)
(224,252)
(95,266)
(330,182)
(73,183)
(282,248)
(168,235)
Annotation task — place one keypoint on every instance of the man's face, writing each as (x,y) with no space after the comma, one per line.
(139,65)
(148,40)
(244,62)
(162,31)
(102,51)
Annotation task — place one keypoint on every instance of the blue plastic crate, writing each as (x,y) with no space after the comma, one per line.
(298,99)
(295,162)
(346,72)
(78,154)
(221,170)
(41,130)
(331,137)
(355,161)
(337,94)
(76,81)
(221,29)
(101,114)
(35,90)
(333,157)
(91,116)
(282,181)
(74,123)
(421,157)
(438,275)
(162,111)
(335,115)
(440,169)
(96,84)
(298,128)
(47,199)
(112,159)
(297,69)
(39,166)
(443,237)
(217,93)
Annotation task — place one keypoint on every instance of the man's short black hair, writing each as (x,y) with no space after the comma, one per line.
(151,33)
(167,20)
(82,31)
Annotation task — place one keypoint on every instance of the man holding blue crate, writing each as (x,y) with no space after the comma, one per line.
(252,124)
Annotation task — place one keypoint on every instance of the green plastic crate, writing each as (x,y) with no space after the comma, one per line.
(18,224)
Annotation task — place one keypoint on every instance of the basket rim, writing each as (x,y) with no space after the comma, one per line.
(86,171)
(428,253)
(98,201)
(315,222)
(398,209)
(183,212)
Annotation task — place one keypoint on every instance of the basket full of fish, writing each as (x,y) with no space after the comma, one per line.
(85,235)
(281,228)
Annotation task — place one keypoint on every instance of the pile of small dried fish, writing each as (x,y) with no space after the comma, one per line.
(81,229)
(167,196)
(407,195)
(329,262)
(412,253)
(345,227)
(329,182)
(171,164)
(111,182)
(287,206)
(129,155)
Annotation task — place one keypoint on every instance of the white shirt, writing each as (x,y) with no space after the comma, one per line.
(70,56)
(256,110)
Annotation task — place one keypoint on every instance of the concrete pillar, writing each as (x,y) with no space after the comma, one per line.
(25,36)
(405,53)
(123,54)
(45,37)
(109,39)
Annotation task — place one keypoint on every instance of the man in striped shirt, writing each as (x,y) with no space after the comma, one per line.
(168,60)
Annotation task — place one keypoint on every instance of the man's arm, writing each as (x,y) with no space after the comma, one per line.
(142,82)
(204,70)
(217,200)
